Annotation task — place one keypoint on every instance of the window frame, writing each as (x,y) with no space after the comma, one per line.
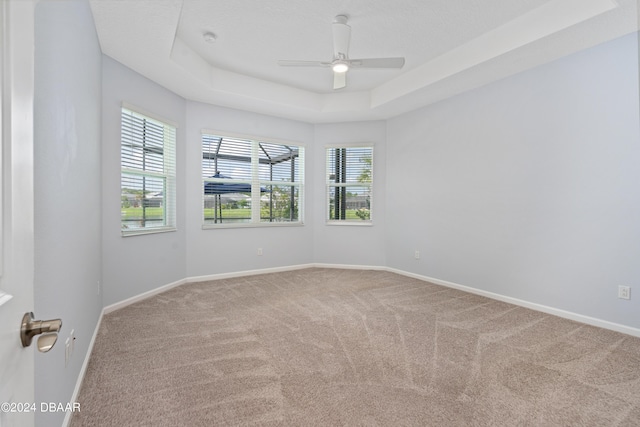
(255,182)
(329,184)
(168,174)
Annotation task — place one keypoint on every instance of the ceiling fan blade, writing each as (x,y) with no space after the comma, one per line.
(341,37)
(377,63)
(339,80)
(294,63)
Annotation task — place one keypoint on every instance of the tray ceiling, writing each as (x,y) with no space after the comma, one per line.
(450,46)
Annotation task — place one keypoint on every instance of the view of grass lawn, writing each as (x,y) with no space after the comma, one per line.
(136,213)
(238,213)
(351,214)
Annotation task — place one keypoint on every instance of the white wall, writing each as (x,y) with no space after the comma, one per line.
(215,251)
(528,187)
(136,264)
(350,244)
(67,191)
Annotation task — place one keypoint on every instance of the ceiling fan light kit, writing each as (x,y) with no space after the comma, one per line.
(340,67)
(341,62)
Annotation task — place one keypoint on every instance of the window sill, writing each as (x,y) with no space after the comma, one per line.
(252,225)
(354,223)
(129,233)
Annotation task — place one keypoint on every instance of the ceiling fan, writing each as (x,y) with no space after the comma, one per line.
(341,62)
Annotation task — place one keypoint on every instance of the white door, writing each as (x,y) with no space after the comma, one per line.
(16,225)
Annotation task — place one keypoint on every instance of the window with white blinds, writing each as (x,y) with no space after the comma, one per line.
(251,182)
(148,174)
(349,180)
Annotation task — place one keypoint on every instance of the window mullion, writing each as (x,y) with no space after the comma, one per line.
(255,182)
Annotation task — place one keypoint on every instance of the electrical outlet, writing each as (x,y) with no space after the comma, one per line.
(416,255)
(259,251)
(624,292)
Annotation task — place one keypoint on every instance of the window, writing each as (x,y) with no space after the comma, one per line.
(251,182)
(148,174)
(349,184)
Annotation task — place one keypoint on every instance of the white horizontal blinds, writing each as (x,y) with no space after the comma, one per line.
(230,157)
(249,181)
(210,144)
(142,143)
(349,183)
(147,156)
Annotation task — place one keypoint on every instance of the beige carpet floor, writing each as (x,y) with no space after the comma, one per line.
(329,347)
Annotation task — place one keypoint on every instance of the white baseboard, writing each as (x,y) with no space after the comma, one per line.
(142,296)
(522,303)
(219,276)
(351,266)
(629,330)
(83,371)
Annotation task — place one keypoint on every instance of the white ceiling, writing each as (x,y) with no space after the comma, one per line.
(450,46)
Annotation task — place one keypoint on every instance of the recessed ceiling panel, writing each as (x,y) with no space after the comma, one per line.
(164,40)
